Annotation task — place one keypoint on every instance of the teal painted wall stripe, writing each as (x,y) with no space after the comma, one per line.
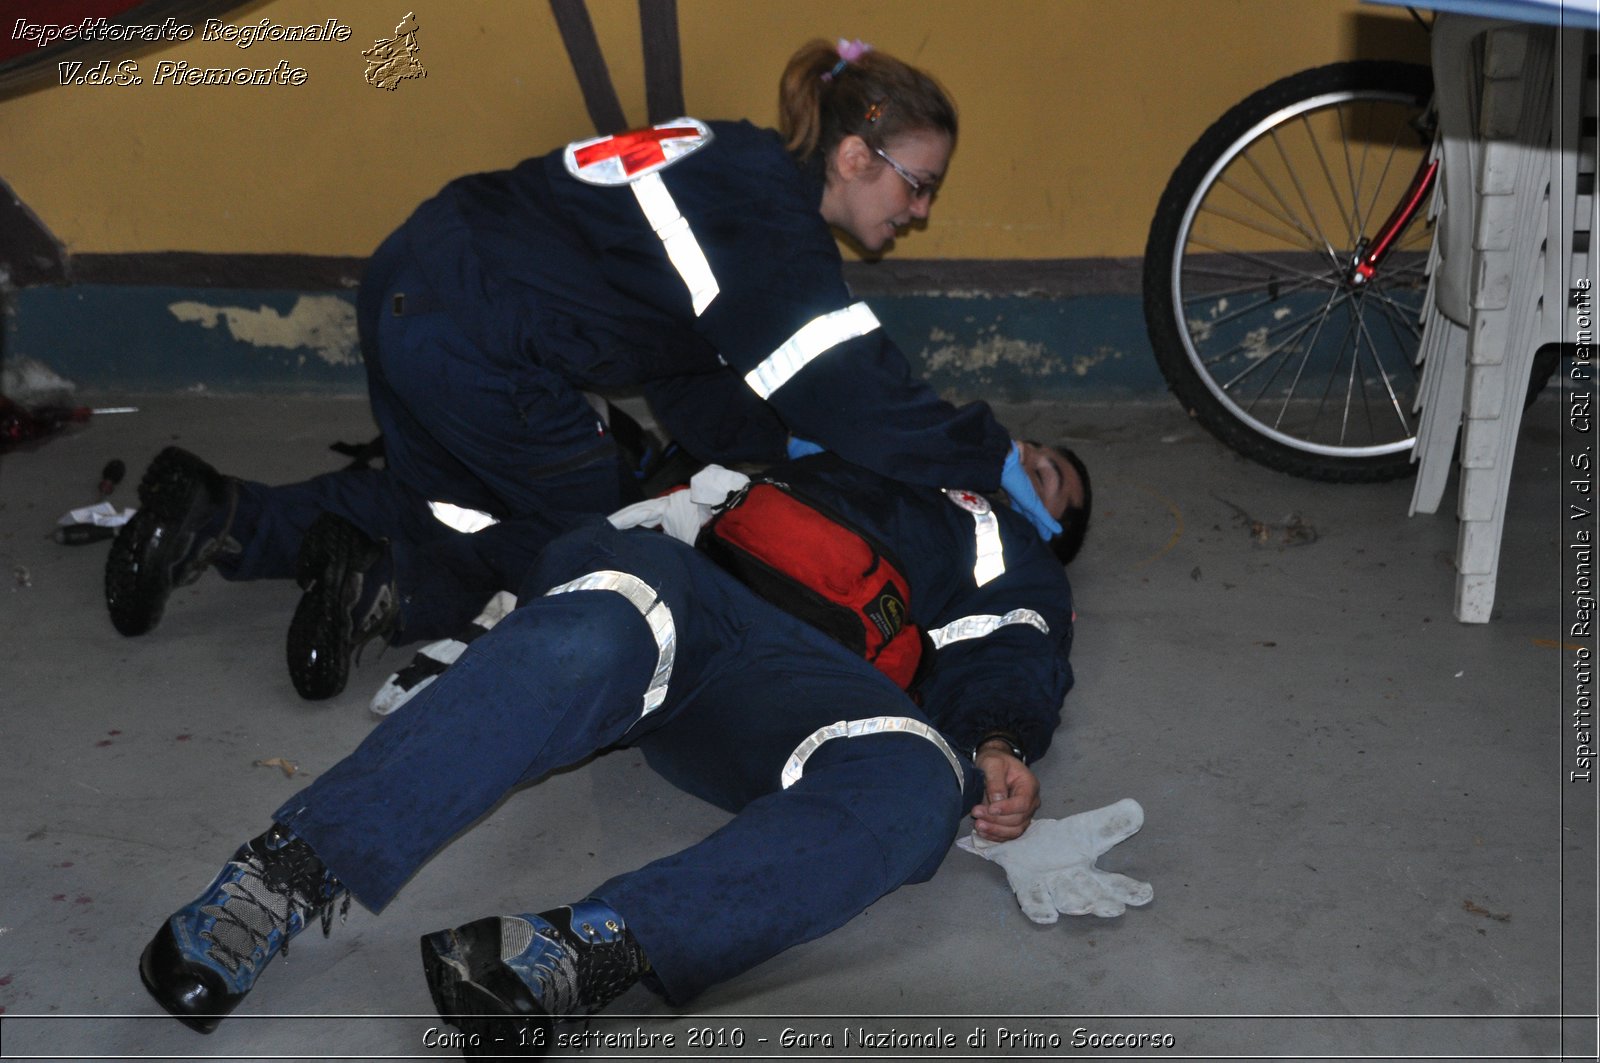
(114,337)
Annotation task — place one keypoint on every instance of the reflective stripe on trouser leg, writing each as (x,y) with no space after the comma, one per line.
(461,518)
(793,864)
(816,337)
(795,767)
(655,612)
(981,624)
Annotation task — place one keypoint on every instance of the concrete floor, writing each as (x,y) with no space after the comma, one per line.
(1354,827)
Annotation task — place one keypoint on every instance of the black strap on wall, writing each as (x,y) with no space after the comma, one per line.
(594,78)
(663,60)
(29,252)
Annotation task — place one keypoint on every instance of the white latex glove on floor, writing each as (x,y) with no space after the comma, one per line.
(1051,868)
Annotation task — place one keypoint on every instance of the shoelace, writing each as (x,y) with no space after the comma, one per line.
(291,883)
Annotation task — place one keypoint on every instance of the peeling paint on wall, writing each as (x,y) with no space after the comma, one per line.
(994,352)
(1083,363)
(1257,344)
(324,324)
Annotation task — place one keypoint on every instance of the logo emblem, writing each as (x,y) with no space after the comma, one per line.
(391,61)
(625,157)
(970,501)
(888,612)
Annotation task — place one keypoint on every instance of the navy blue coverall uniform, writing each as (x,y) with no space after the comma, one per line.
(705,277)
(845,787)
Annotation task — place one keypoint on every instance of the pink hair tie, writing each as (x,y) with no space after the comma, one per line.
(849,52)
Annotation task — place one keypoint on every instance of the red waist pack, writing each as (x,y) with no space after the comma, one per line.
(816,566)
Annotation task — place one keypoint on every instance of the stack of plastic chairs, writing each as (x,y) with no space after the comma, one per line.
(1514,212)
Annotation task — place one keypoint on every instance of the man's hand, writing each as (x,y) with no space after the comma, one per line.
(1013,793)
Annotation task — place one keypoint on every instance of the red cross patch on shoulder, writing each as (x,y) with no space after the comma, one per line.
(623,158)
(970,501)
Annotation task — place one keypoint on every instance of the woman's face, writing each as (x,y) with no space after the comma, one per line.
(868,200)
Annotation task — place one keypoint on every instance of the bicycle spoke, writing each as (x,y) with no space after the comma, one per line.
(1355,374)
(1389,304)
(1300,189)
(1261,260)
(1279,326)
(1355,179)
(1252,282)
(1318,318)
(1288,215)
(1383,375)
(1233,315)
(1333,374)
(1248,223)
(1405,330)
(1383,178)
(1333,186)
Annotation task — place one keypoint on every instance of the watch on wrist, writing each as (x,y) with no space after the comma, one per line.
(1000,736)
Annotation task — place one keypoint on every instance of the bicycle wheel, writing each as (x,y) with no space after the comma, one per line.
(1261,324)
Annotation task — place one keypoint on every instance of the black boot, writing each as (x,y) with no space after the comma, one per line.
(504,980)
(207,956)
(349,599)
(186,510)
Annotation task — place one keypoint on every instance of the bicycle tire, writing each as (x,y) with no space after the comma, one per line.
(1199,254)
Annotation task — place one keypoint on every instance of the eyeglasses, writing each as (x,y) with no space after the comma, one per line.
(919,187)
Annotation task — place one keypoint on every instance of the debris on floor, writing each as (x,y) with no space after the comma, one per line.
(1499,917)
(1294,531)
(288,767)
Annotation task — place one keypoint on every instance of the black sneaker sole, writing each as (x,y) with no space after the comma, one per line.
(176,496)
(498,1019)
(193,997)
(333,559)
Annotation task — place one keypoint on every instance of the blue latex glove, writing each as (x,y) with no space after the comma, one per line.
(802,448)
(1024,499)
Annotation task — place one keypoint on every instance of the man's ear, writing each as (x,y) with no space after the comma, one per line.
(853,157)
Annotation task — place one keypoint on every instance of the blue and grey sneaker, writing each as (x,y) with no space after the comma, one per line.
(350,599)
(208,955)
(504,980)
(186,510)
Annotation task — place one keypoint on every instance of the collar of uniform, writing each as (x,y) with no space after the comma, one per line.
(814,171)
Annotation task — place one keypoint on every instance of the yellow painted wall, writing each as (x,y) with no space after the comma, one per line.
(1073,113)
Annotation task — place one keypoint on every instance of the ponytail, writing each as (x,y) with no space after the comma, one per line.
(831,92)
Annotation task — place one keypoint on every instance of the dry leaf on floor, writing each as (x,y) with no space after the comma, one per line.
(288,767)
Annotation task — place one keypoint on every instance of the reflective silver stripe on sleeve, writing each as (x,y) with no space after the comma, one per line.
(981,624)
(655,613)
(461,518)
(661,211)
(796,764)
(815,337)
